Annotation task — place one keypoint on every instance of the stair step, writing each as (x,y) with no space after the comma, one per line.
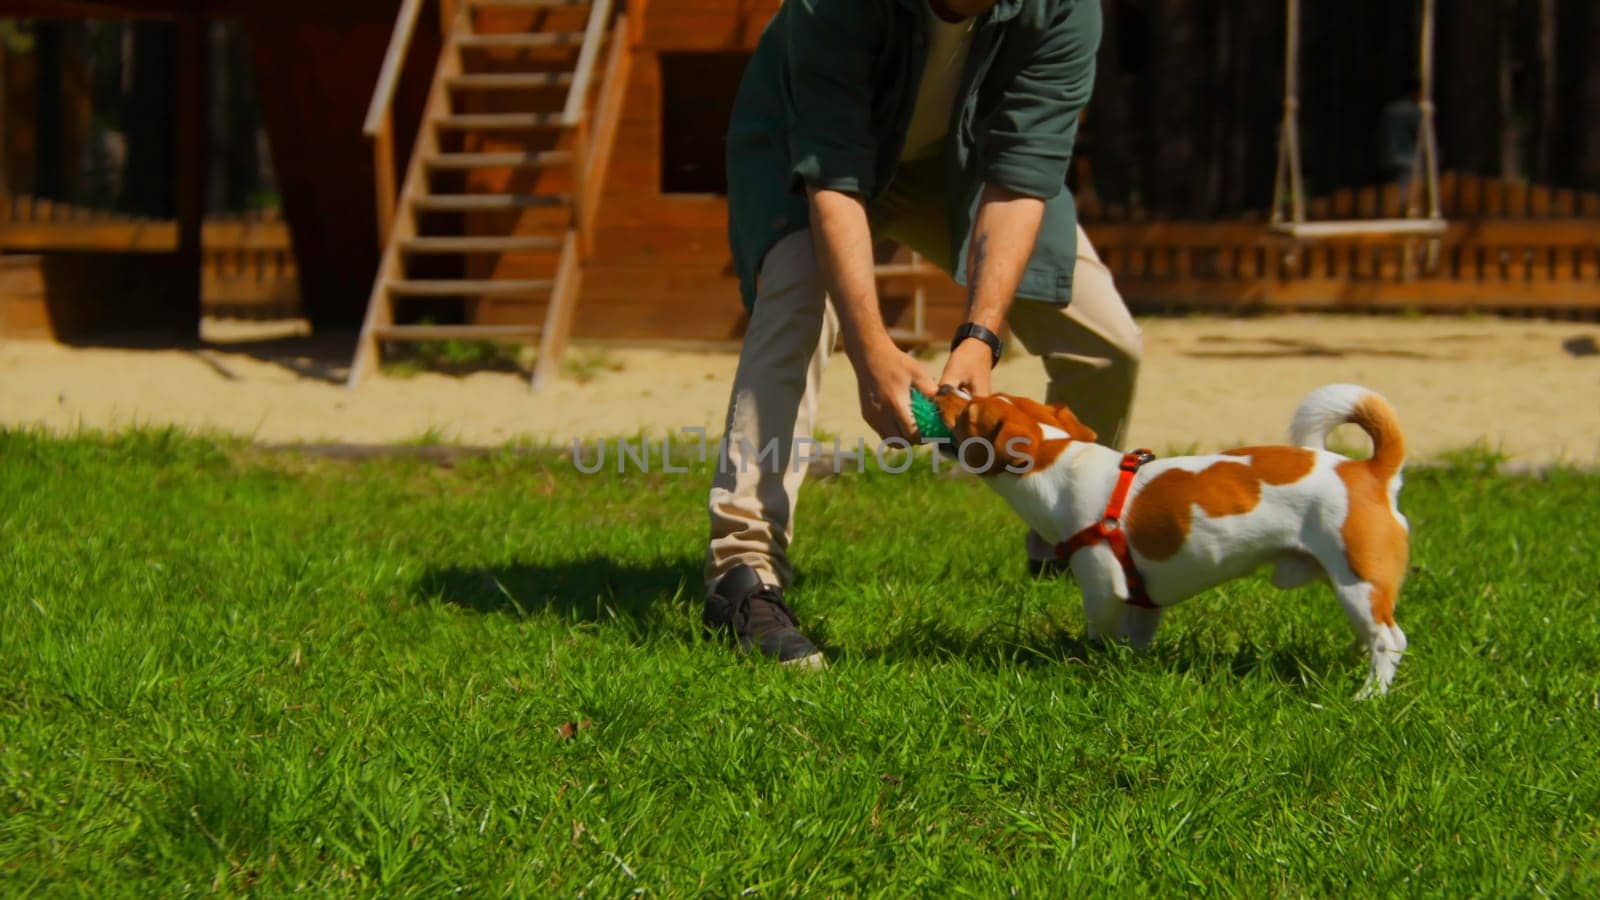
(499,160)
(472,287)
(908,270)
(479,244)
(487,202)
(456,332)
(524,4)
(499,121)
(511,80)
(529,41)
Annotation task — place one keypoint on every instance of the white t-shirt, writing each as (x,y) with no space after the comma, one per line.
(948,43)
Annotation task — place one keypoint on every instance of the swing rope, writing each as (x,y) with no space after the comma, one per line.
(1289,198)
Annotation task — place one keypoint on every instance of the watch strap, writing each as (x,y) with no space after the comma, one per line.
(978,332)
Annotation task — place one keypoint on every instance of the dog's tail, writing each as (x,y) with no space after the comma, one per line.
(1327,408)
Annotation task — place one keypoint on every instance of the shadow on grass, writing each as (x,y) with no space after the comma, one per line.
(591,589)
(997,646)
(1003,645)
(661,598)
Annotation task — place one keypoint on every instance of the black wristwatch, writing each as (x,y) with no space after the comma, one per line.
(974,330)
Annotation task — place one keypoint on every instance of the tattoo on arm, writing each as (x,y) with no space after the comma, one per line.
(980,249)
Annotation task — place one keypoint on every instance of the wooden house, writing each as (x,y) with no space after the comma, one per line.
(530,170)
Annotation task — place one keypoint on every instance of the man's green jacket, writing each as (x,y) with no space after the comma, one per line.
(828,95)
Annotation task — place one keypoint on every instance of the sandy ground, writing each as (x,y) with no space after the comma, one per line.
(1529,389)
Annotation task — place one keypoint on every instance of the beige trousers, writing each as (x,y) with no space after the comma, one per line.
(1090,349)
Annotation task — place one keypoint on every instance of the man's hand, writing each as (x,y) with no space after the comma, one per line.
(843,241)
(969,367)
(886,375)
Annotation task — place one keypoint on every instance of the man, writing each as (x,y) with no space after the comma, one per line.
(1398,129)
(948,126)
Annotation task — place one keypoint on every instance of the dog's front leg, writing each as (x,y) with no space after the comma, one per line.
(1101,581)
(1139,626)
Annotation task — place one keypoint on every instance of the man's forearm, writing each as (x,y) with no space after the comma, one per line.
(1002,242)
(843,242)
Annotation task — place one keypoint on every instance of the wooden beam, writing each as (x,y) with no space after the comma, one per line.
(394,62)
(191,165)
(1311,231)
(154,236)
(113,235)
(383,175)
(608,118)
(594,34)
(559,316)
(379,124)
(325,11)
(5,183)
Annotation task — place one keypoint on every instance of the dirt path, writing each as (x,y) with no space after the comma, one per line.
(1528,389)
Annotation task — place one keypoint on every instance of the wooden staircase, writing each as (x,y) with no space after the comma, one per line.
(494,213)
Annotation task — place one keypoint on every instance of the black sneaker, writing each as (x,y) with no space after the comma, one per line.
(743,607)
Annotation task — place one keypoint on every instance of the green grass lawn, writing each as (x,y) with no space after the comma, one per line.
(227,670)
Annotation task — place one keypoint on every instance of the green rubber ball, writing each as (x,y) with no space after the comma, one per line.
(926,415)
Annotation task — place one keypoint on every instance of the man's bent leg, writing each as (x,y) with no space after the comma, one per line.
(770,416)
(1091,348)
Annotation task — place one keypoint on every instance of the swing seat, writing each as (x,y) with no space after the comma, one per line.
(1288,195)
(1343,228)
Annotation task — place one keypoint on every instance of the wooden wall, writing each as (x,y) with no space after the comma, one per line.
(315,80)
(661,266)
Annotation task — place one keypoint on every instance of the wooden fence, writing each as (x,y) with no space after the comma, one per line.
(1461,196)
(1508,248)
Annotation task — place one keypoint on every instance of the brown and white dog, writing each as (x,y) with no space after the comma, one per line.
(1142,534)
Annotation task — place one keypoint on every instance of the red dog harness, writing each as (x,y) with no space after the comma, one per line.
(1109,530)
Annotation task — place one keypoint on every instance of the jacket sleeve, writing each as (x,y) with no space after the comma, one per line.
(831,45)
(1028,139)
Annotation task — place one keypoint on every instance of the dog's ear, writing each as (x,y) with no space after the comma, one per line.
(1058,415)
(1072,426)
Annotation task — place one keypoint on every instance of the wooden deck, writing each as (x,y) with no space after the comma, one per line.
(248,264)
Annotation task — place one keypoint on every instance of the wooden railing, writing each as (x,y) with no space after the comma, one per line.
(1505,246)
(576,116)
(247,260)
(1461,196)
(379,126)
(1499,265)
(602,137)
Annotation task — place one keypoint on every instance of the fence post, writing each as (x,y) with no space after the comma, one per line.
(191,161)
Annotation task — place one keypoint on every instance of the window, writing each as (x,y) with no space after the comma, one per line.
(697,91)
